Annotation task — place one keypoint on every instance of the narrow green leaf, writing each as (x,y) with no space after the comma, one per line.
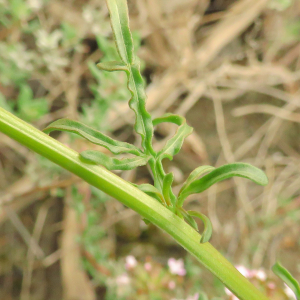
(169,118)
(187,217)
(167,189)
(92,135)
(288,278)
(227,171)
(173,145)
(152,191)
(112,66)
(207,232)
(120,24)
(195,175)
(112,163)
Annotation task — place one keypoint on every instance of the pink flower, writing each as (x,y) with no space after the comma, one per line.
(148,266)
(171,285)
(176,266)
(130,262)
(271,285)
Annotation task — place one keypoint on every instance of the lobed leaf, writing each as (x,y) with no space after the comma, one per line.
(143,123)
(227,171)
(112,163)
(92,135)
(194,175)
(174,144)
(287,277)
(207,232)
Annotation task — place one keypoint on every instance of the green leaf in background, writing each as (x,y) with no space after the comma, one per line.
(92,135)
(120,24)
(112,163)
(31,109)
(174,144)
(4,104)
(287,277)
(227,171)
(207,232)
(195,175)
(151,191)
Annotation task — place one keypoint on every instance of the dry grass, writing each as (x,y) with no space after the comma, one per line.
(235,78)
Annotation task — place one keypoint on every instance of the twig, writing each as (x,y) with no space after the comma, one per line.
(267,109)
(30,241)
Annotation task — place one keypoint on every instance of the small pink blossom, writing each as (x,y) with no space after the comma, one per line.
(271,285)
(171,285)
(130,262)
(176,266)
(148,266)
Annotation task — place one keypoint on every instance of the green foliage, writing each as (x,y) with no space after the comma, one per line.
(110,163)
(14,70)
(92,135)
(27,107)
(30,108)
(144,126)
(173,146)
(221,173)
(287,277)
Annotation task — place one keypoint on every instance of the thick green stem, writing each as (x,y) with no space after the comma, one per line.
(130,196)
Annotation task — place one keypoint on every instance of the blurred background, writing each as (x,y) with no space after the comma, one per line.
(232,68)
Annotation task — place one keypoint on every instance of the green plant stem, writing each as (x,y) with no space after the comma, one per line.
(130,196)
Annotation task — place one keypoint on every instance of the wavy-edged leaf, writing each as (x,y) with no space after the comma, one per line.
(227,171)
(207,232)
(112,66)
(120,24)
(187,217)
(152,191)
(112,163)
(195,175)
(288,278)
(92,135)
(167,189)
(174,144)
(143,123)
